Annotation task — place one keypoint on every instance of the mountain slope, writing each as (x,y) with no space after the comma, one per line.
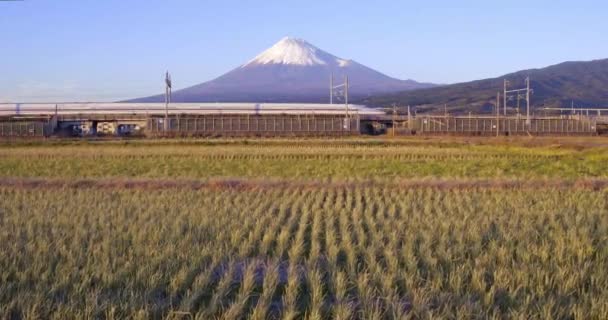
(585,83)
(292,70)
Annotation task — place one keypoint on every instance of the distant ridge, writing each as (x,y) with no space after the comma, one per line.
(585,84)
(292,70)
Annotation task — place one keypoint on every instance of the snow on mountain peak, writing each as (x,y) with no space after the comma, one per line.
(294,51)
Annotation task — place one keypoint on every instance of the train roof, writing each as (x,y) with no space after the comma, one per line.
(183,108)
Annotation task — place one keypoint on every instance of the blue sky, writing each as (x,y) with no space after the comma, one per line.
(80,50)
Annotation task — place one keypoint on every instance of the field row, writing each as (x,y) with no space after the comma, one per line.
(294,148)
(205,162)
(286,156)
(367,252)
(266,183)
(566,142)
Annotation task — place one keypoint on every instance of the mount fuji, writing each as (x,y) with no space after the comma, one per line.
(292,70)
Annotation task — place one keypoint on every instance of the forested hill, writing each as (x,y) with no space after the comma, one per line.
(584,83)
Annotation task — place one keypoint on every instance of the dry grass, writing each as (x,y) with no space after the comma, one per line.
(340,159)
(288,229)
(281,252)
(250,184)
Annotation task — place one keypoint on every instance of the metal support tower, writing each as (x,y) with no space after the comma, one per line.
(167,99)
(344,90)
(498,113)
(410,126)
(504,105)
(331,88)
(528,101)
(394,115)
(346,96)
(518,93)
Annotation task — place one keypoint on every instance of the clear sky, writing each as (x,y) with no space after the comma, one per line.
(85,50)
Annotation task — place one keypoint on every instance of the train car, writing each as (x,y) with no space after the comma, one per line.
(144,109)
(85,119)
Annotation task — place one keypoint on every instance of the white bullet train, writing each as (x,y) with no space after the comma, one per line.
(44,109)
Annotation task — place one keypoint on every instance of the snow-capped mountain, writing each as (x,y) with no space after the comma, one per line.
(291,51)
(292,70)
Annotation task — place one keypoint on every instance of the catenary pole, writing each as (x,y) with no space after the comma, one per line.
(346,96)
(331,88)
(504,104)
(167,99)
(528,100)
(394,115)
(497,113)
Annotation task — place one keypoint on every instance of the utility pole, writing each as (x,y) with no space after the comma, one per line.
(572,106)
(331,88)
(346,99)
(520,94)
(497,113)
(344,88)
(528,100)
(518,98)
(504,105)
(167,99)
(394,115)
(409,119)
